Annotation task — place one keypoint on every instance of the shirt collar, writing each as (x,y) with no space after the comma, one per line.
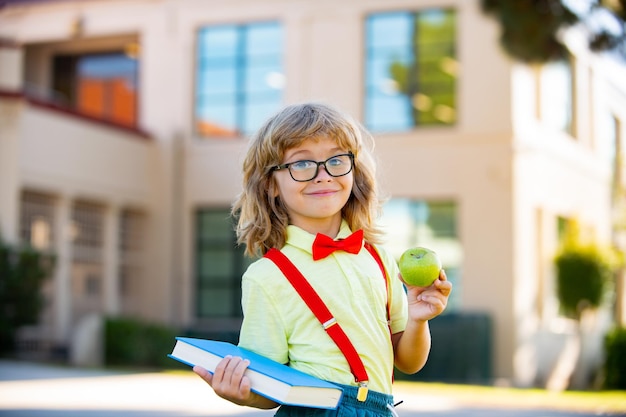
(302,239)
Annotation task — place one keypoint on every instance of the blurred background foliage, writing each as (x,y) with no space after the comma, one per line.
(530,28)
(131,342)
(23,271)
(584,273)
(615,361)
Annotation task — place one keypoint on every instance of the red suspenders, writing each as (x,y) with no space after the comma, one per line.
(323,314)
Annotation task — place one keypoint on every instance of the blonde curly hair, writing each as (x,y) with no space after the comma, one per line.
(262,218)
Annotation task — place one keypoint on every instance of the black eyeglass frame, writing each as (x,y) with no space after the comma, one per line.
(317,166)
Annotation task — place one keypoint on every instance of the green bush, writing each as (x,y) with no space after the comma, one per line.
(135,343)
(615,362)
(583,276)
(22,273)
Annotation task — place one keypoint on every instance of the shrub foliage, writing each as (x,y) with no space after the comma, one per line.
(133,342)
(615,361)
(583,276)
(22,273)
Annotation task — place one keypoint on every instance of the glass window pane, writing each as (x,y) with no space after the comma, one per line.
(106,87)
(263,78)
(217,81)
(215,265)
(556,95)
(215,303)
(216,224)
(386,68)
(389,113)
(437,67)
(107,66)
(218,42)
(264,39)
(442,219)
(410,55)
(389,29)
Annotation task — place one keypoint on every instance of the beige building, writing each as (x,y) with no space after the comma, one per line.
(123,125)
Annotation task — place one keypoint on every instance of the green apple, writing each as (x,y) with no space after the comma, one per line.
(419,266)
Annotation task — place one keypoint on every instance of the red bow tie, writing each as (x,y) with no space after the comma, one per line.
(324,245)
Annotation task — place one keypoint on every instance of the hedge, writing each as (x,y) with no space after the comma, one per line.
(615,361)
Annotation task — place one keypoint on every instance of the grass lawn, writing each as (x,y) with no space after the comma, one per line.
(477,396)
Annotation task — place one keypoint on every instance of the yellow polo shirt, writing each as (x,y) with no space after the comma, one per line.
(279,325)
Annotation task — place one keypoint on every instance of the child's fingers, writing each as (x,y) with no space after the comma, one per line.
(204,374)
(444,287)
(239,375)
(442,275)
(235,369)
(229,380)
(221,369)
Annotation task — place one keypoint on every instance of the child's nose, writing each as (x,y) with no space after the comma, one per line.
(322,174)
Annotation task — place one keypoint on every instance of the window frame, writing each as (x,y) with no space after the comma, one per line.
(238,266)
(238,66)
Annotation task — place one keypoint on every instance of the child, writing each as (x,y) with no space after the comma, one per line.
(309,172)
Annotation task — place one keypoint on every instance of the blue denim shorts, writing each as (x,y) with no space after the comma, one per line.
(376,405)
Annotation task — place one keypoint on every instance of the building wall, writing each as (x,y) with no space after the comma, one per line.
(10,107)
(9,186)
(509,176)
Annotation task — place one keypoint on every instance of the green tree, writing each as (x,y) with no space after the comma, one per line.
(605,39)
(584,273)
(22,273)
(530,28)
(584,277)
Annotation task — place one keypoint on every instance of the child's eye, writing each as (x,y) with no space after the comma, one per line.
(335,161)
(303,165)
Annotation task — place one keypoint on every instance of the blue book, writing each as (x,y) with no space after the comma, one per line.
(268,378)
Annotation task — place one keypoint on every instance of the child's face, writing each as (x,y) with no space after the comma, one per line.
(314,205)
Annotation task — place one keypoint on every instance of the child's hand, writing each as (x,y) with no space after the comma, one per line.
(426,303)
(228,381)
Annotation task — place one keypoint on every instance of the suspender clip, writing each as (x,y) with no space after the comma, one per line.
(329,323)
(361,394)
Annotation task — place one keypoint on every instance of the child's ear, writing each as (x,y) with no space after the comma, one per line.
(272,189)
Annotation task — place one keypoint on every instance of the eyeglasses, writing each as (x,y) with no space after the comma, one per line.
(306,170)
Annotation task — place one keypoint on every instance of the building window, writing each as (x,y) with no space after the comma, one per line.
(617,153)
(411,70)
(432,224)
(220,263)
(37,220)
(563,227)
(131,251)
(87,258)
(239,78)
(103,86)
(556,93)
(37,229)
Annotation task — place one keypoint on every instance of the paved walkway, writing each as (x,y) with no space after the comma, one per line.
(31,390)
